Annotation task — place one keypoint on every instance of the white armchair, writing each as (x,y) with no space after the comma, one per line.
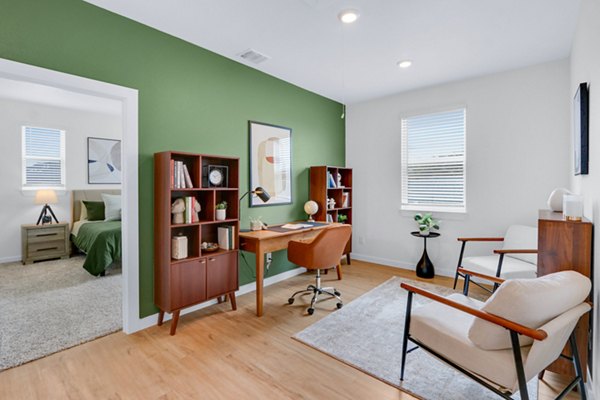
(508,340)
(517,258)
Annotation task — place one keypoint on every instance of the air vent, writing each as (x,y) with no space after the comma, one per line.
(254,56)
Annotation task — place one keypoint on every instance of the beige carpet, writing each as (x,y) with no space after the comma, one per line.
(53,305)
(367,334)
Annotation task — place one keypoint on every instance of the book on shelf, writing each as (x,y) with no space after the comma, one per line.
(345,199)
(330,180)
(188,178)
(329,218)
(226,237)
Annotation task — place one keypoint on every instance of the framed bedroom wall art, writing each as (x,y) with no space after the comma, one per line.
(270,162)
(104,161)
(581,129)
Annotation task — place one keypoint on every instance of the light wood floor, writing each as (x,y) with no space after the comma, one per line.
(217,354)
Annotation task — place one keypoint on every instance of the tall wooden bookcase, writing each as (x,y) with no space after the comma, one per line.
(567,245)
(202,275)
(340,190)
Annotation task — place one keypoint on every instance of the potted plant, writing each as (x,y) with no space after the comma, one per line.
(221,211)
(342,218)
(426,223)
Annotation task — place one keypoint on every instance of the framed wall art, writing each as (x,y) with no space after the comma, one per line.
(270,162)
(104,161)
(581,129)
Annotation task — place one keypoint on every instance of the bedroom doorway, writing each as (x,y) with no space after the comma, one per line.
(125,101)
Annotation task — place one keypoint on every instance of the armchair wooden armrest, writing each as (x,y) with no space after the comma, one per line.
(536,334)
(516,251)
(480,275)
(481,239)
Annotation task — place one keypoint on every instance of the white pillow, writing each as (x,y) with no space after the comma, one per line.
(83,213)
(112,207)
(521,237)
(529,302)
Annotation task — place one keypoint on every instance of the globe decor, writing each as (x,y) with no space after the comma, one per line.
(311,207)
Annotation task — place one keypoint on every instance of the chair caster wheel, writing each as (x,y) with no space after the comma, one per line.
(339,305)
(291,300)
(337,293)
(310,311)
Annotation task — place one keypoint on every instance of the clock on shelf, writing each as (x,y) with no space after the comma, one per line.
(216,175)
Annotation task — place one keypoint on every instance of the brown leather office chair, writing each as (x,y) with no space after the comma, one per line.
(324,251)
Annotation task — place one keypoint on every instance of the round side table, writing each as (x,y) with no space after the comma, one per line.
(425,266)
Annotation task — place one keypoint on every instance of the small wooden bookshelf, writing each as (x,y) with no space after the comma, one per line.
(335,183)
(202,275)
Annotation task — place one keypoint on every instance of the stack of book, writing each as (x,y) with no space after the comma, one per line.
(226,235)
(180,176)
(189,214)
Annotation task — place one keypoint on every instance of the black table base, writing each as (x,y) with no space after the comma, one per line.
(425,267)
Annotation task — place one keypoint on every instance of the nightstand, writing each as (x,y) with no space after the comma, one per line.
(44,242)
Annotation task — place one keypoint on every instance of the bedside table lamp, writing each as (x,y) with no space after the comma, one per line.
(260,193)
(46,197)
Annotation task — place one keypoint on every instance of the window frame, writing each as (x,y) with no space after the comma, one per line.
(404,164)
(24,158)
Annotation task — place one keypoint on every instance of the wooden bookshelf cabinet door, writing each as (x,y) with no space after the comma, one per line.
(188,283)
(222,274)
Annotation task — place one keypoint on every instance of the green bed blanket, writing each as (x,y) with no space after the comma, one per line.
(101,241)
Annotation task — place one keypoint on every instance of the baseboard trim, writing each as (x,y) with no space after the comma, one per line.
(5,260)
(397,264)
(150,320)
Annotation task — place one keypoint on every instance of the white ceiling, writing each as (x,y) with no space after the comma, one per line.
(447,40)
(55,97)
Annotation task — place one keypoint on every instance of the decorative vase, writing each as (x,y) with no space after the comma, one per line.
(424,232)
(221,215)
(555,201)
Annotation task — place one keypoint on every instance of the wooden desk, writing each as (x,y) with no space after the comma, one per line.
(265,241)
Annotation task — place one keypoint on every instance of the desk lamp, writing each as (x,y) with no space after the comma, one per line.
(260,193)
(46,197)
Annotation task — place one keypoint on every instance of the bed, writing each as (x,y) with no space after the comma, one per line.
(99,240)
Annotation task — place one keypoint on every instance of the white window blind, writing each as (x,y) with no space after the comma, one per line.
(43,158)
(433,162)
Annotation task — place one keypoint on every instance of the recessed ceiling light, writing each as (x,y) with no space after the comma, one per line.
(348,16)
(404,63)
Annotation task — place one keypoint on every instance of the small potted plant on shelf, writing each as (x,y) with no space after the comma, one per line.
(342,218)
(426,223)
(221,211)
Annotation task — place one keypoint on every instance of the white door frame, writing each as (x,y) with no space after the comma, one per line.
(129,101)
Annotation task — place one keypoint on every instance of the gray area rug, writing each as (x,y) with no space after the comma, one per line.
(53,305)
(367,334)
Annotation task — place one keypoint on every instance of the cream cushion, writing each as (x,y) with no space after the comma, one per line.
(521,237)
(529,302)
(112,207)
(511,267)
(445,330)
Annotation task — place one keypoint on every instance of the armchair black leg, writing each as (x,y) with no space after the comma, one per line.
(577,365)
(499,270)
(514,339)
(460,258)
(406,333)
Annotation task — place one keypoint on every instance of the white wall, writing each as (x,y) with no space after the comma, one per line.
(16,206)
(517,133)
(585,67)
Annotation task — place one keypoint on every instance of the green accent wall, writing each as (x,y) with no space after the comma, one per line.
(190,99)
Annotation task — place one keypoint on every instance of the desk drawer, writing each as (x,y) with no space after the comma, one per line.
(46,248)
(46,234)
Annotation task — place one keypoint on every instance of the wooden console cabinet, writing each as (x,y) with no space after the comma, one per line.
(566,245)
(202,275)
